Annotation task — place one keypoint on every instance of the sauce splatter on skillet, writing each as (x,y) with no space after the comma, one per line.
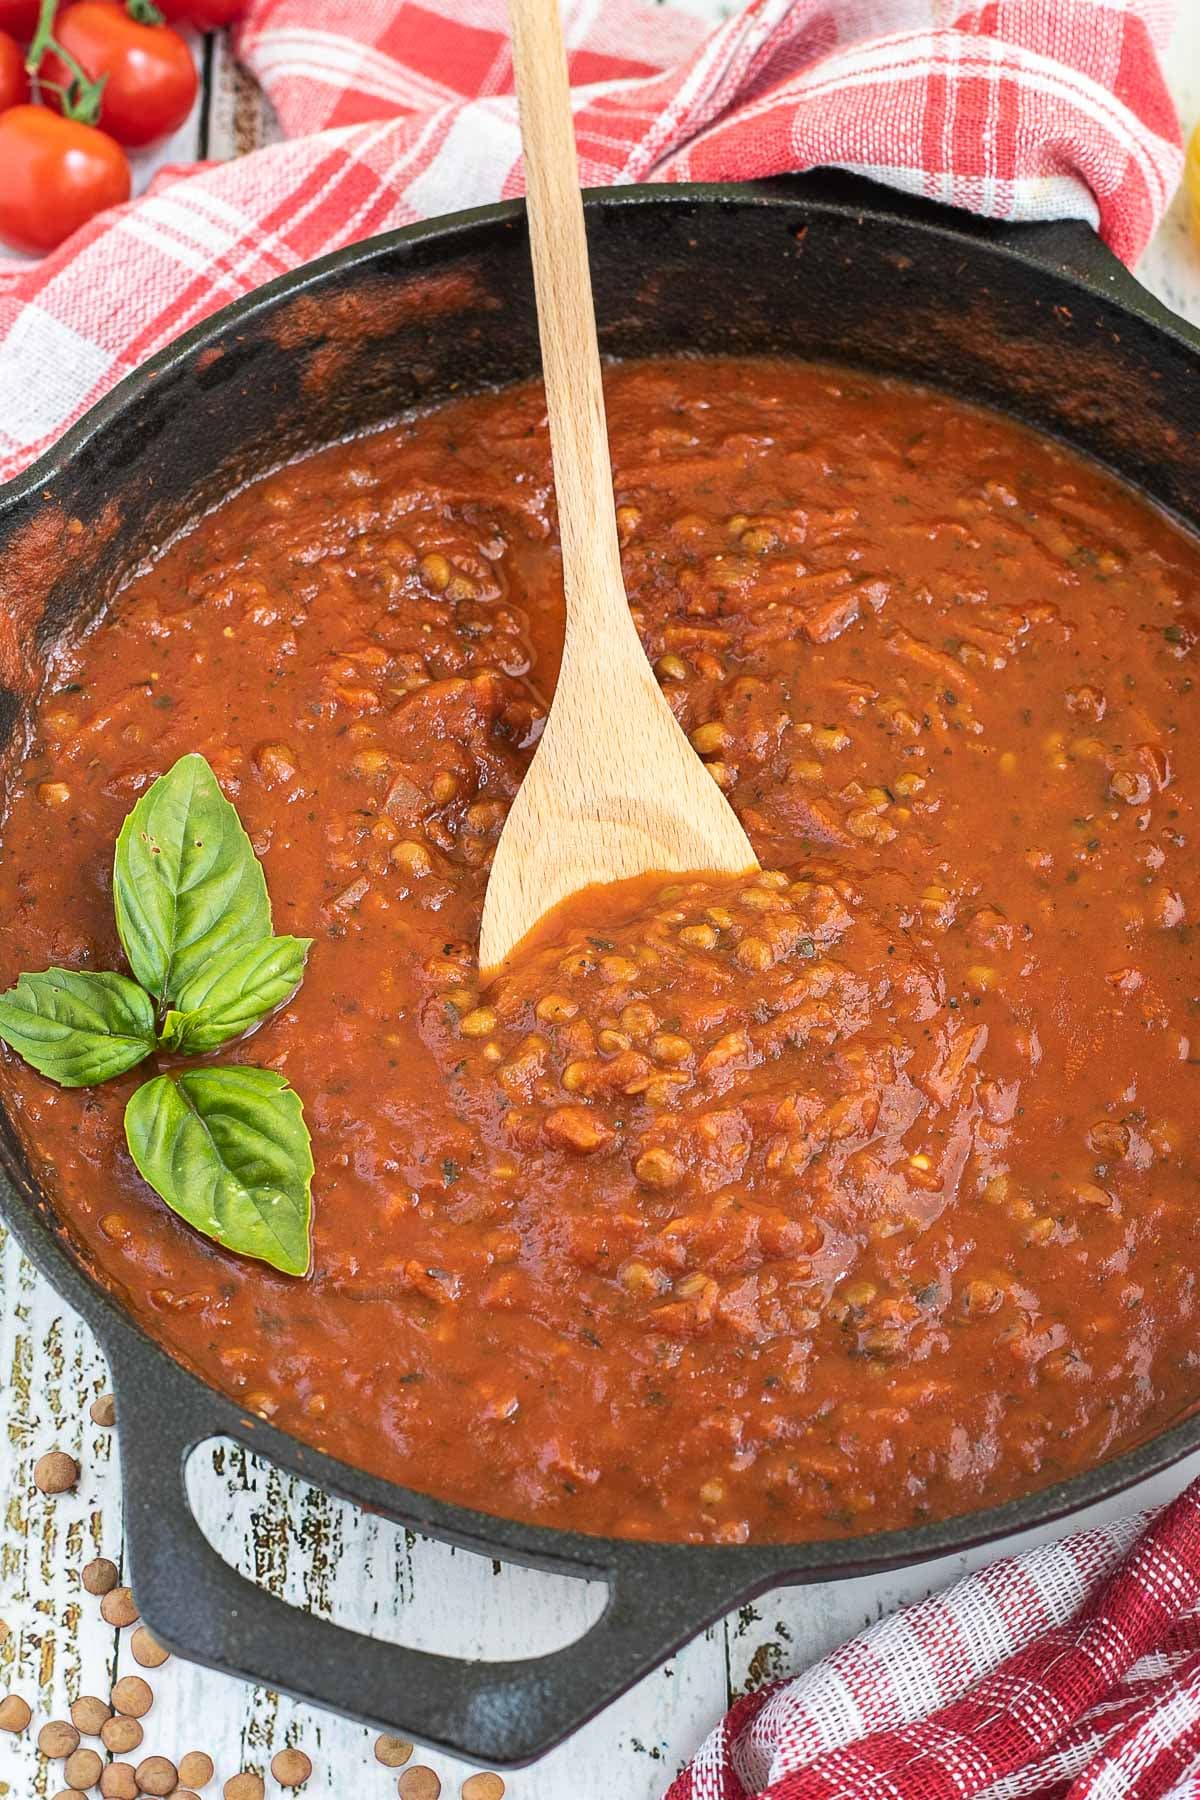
(848,1197)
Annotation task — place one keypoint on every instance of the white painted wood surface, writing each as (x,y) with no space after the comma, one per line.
(320,1553)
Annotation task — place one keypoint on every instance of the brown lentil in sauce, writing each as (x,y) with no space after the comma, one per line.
(850,1195)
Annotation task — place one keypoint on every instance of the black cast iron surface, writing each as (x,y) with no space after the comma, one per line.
(1038,320)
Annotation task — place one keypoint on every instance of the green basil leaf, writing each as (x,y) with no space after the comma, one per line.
(234,992)
(228,1150)
(186,882)
(77,1026)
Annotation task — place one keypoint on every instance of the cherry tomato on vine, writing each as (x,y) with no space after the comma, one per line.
(14,83)
(148,74)
(19,18)
(57,173)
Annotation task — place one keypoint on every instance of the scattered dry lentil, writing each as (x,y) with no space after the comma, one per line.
(15,1713)
(103,1410)
(132,1696)
(244,1786)
(100,1576)
(419,1783)
(121,1735)
(55,1472)
(119,1607)
(57,1739)
(484,1786)
(147,1650)
(157,1776)
(89,1713)
(118,1782)
(196,1768)
(392,1752)
(83,1769)
(291,1768)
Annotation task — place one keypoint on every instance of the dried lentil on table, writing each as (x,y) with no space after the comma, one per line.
(195,1768)
(132,1697)
(103,1410)
(119,1608)
(55,1472)
(119,1782)
(15,1713)
(121,1735)
(147,1650)
(291,1768)
(486,1785)
(100,1576)
(392,1752)
(89,1713)
(57,1739)
(158,1776)
(83,1769)
(246,1785)
(419,1783)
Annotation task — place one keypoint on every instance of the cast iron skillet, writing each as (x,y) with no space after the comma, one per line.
(1040,321)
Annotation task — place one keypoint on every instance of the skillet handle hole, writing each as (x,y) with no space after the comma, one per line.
(372,1576)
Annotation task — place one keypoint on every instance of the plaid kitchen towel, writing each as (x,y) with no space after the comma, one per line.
(398,109)
(1069,1673)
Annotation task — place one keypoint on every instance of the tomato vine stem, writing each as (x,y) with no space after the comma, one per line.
(80,97)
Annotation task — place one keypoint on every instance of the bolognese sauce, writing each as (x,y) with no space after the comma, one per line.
(851,1194)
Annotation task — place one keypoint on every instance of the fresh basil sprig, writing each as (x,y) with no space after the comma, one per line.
(226,1148)
(233,992)
(229,1151)
(187,885)
(78,1027)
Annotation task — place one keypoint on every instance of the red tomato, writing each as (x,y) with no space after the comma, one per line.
(19,18)
(151,79)
(14,83)
(211,15)
(57,173)
(205,15)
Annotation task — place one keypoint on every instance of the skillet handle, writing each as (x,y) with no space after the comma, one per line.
(503,1713)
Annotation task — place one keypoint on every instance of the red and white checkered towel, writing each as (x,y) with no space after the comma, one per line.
(398,109)
(1069,1673)
(1074,1670)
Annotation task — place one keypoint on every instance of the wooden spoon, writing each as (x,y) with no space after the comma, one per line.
(614,789)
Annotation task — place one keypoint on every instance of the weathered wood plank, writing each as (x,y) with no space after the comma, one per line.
(50,1371)
(238,116)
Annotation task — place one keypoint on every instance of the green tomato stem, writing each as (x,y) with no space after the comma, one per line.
(80,100)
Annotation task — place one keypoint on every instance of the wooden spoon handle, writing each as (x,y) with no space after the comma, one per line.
(567,319)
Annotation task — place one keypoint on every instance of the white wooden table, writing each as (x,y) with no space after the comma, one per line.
(322,1554)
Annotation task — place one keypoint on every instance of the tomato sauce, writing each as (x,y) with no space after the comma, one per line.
(848,1196)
